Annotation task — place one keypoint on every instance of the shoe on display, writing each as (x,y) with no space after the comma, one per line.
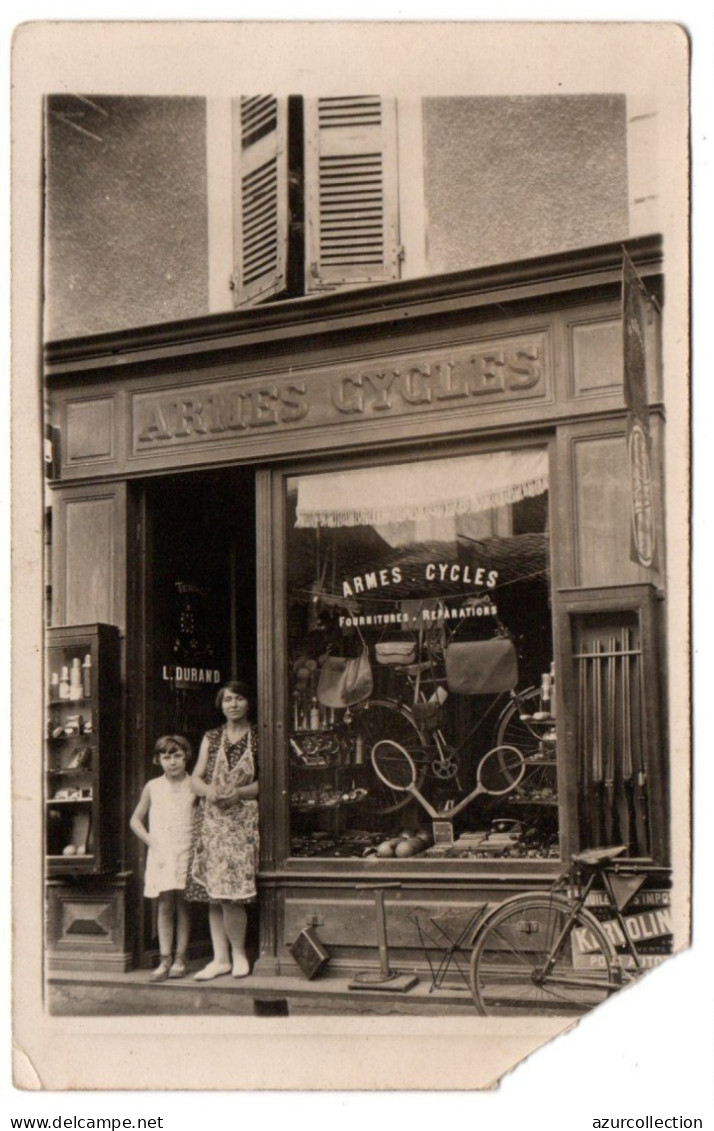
(177,969)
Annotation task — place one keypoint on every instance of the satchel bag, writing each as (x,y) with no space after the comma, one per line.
(395,652)
(344,682)
(481,667)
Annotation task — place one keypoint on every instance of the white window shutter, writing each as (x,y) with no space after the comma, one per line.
(351,191)
(261,197)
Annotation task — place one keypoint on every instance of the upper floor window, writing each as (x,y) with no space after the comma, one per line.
(316,194)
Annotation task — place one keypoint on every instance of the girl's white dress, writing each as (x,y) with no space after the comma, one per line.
(170,826)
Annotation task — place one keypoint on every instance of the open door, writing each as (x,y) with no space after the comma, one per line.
(193,628)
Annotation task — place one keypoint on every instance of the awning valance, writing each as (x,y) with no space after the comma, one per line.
(405,492)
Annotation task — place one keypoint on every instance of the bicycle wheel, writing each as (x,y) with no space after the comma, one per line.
(536,956)
(378,720)
(516,726)
(534,738)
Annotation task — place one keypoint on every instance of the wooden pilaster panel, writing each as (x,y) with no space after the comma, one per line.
(89,555)
(595,504)
(270,711)
(268,625)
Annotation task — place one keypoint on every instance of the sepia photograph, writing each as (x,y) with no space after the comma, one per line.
(355,396)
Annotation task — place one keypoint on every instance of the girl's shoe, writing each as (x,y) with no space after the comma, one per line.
(213,970)
(178,969)
(160,974)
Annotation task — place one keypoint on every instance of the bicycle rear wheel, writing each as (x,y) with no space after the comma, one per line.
(380,720)
(536,956)
(517,727)
(534,738)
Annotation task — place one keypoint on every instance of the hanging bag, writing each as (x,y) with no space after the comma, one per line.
(395,652)
(481,667)
(344,682)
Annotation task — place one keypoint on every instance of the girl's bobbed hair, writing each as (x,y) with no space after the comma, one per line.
(169,744)
(237,687)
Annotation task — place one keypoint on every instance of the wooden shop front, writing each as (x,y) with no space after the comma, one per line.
(329,498)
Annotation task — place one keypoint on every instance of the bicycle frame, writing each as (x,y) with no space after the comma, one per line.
(435,736)
(578,904)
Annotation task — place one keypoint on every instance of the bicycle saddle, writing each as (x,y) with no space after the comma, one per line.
(413,669)
(594,857)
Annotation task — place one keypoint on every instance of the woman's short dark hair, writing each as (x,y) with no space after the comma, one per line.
(237,687)
(168,744)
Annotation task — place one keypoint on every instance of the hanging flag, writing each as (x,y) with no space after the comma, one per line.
(635,302)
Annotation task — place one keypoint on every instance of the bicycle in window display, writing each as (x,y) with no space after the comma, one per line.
(406,741)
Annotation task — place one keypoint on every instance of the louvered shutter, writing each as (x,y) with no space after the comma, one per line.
(351,191)
(261,204)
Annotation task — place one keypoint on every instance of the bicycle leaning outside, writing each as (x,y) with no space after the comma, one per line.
(547,954)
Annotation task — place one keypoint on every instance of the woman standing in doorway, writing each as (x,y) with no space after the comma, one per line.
(224,853)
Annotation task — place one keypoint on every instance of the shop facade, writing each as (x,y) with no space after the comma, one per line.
(333,499)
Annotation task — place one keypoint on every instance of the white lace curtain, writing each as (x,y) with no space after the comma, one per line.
(391,493)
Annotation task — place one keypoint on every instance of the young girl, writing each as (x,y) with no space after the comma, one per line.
(168,802)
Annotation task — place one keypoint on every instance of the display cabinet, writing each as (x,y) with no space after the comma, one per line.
(82,750)
(329,779)
(613,634)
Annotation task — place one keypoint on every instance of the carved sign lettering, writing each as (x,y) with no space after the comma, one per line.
(464,379)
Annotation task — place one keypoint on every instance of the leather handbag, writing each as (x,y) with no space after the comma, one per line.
(392,652)
(481,667)
(344,682)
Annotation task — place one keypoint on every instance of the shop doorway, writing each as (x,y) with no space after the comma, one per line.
(194,627)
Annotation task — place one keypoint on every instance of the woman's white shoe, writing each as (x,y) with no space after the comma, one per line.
(213,970)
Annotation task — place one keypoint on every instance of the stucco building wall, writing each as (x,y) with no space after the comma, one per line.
(510,178)
(125,213)
(128,184)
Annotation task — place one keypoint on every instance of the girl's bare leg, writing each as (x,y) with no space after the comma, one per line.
(183,930)
(183,926)
(165,924)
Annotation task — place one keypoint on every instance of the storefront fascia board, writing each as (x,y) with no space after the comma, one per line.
(413,361)
(495,382)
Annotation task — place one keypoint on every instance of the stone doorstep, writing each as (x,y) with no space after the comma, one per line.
(85,992)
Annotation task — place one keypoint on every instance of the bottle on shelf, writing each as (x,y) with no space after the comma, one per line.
(545,693)
(54,686)
(64,683)
(359,750)
(75,680)
(314,715)
(296,710)
(87,676)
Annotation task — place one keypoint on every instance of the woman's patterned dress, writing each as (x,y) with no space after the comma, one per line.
(224,851)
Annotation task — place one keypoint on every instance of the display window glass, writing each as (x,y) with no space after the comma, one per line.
(420,661)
